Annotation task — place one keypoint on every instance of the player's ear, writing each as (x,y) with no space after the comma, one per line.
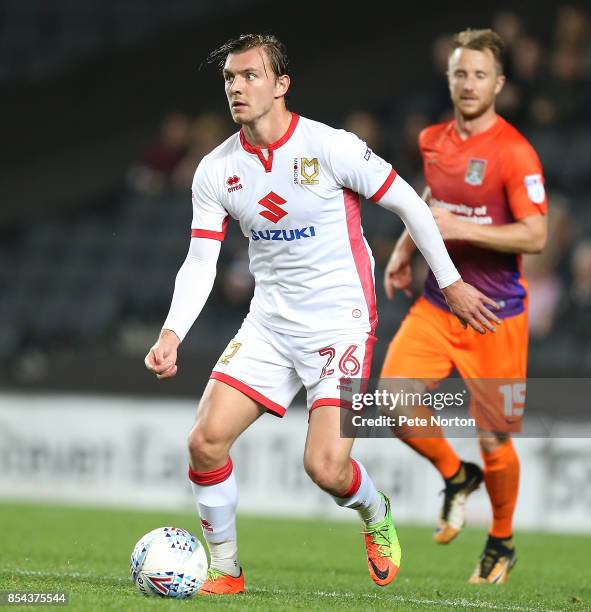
(282,85)
(499,84)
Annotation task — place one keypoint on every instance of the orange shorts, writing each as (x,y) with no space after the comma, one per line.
(431,341)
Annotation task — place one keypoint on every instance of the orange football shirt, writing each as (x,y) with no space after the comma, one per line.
(492,178)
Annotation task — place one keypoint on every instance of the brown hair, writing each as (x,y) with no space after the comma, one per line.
(480,40)
(276,51)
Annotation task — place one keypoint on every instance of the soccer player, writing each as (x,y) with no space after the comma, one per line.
(486,190)
(293,185)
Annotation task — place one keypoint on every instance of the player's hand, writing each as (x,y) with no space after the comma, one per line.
(161,358)
(450,226)
(398,274)
(470,306)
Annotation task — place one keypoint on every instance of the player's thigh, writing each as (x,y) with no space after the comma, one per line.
(332,366)
(499,355)
(223,414)
(421,348)
(494,368)
(255,365)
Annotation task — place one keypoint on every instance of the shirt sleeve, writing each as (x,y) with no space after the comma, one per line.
(524,181)
(210,218)
(402,199)
(192,286)
(357,167)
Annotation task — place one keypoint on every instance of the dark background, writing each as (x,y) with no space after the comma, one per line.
(93,226)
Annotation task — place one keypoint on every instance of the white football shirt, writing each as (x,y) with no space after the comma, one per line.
(298,204)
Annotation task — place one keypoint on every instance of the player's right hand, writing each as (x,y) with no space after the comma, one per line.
(398,274)
(161,358)
(470,306)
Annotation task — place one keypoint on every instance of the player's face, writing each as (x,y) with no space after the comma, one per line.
(251,85)
(473,81)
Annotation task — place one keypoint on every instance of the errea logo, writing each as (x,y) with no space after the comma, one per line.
(233,183)
(272,202)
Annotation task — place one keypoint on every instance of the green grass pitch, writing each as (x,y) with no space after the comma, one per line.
(289,565)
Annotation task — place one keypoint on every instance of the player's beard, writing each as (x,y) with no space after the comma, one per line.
(483,106)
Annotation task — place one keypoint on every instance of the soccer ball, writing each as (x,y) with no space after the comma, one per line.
(168,562)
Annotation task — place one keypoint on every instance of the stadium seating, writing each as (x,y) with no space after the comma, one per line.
(40,38)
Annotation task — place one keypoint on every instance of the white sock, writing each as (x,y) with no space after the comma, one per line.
(375,512)
(366,499)
(216,505)
(224,557)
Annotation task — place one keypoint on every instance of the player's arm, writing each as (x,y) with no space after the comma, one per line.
(398,273)
(465,301)
(195,277)
(528,235)
(192,287)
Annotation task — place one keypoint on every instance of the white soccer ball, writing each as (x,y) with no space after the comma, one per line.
(169,562)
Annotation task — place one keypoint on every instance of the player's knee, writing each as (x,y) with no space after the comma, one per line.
(328,472)
(206,450)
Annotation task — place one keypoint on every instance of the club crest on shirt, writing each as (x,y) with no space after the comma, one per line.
(475,171)
(309,171)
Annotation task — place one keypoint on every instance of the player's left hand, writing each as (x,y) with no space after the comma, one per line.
(450,226)
(469,305)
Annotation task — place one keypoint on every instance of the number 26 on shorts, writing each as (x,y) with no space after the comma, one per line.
(348,364)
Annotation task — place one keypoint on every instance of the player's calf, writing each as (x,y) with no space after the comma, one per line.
(216,497)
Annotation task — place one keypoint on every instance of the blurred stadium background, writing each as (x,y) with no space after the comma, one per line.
(105,115)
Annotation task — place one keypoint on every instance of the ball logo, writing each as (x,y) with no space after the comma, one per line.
(160,582)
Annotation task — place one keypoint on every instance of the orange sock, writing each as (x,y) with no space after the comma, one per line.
(439,453)
(430,442)
(501,476)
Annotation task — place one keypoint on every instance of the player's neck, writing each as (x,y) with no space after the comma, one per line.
(267,129)
(467,128)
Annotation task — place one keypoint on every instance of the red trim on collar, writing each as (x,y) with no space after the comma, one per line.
(290,130)
(258,151)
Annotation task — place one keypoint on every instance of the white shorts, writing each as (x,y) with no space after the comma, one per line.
(271,367)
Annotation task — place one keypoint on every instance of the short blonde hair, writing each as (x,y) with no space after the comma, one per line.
(480,40)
